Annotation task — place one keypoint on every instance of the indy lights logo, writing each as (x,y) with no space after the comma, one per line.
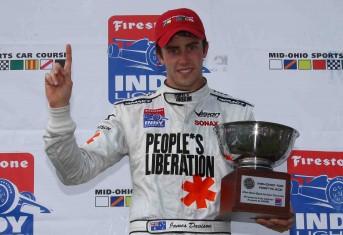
(316,191)
(17,209)
(133,66)
(17,202)
(305,61)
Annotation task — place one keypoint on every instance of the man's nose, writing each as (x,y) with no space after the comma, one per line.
(184,57)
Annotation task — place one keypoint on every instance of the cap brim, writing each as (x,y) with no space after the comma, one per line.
(163,41)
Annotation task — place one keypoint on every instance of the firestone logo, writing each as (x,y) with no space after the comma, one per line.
(132,25)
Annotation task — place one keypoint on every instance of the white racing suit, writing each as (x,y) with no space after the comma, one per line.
(175,159)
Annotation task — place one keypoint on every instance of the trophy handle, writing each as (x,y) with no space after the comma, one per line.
(218,131)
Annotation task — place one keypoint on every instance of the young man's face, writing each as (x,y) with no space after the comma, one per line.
(183,57)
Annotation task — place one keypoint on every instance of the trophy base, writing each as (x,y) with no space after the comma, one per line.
(250,217)
(248,194)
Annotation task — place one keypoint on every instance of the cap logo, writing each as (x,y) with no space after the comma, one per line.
(177,18)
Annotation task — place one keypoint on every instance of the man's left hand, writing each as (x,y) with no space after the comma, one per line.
(279,225)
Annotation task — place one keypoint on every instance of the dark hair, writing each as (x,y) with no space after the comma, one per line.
(183,34)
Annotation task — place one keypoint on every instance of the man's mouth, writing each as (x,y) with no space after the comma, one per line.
(185,71)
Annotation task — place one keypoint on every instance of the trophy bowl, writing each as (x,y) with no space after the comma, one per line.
(255,144)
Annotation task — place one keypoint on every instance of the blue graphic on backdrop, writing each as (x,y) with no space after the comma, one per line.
(17,209)
(318,204)
(320,193)
(136,57)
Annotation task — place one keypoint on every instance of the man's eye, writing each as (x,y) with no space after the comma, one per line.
(172,51)
(192,47)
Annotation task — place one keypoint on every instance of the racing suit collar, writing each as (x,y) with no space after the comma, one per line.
(180,97)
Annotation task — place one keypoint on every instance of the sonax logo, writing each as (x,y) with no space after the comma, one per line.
(17,201)
(133,67)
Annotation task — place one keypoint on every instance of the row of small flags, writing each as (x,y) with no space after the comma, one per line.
(112,201)
(289,64)
(31,64)
(274,64)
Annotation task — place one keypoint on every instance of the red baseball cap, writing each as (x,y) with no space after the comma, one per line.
(176,20)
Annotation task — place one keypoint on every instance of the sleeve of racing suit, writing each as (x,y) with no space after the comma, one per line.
(74,164)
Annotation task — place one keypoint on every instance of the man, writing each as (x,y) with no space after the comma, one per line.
(175,161)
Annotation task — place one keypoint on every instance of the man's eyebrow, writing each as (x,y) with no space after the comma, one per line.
(172,47)
(192,43)
(187,45)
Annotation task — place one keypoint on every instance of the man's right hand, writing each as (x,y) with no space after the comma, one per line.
(58,83)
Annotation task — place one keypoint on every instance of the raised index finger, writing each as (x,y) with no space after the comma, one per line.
(67,65)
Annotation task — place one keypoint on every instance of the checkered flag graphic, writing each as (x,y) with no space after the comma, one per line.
(334,64)
(4,64)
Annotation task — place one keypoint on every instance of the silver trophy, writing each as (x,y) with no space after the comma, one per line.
(253,189)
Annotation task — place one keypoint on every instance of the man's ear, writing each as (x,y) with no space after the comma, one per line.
(160,58)
(205,51)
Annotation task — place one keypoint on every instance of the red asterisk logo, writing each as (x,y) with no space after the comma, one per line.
(92,139)
(198,191)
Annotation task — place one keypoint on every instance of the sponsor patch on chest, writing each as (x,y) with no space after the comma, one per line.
(154,118)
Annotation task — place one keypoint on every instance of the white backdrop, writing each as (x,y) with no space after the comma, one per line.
(244,38)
